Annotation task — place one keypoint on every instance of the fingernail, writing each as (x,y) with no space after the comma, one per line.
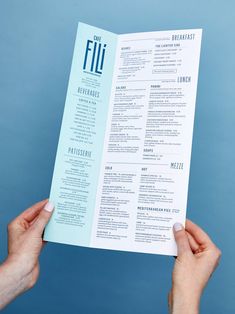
(177,226)
(49,207)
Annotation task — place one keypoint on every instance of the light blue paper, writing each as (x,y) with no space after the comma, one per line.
(67,233)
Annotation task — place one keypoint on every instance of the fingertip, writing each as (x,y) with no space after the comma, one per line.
(189,223)
(177,227)
(181,238)
(49,207)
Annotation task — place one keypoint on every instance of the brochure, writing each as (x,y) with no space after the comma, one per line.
(122,166)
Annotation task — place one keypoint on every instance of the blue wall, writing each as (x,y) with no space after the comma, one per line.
(36,45)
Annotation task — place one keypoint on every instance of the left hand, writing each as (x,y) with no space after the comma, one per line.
(197,258)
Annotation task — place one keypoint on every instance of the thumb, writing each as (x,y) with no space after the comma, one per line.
(43,218)
(181,239)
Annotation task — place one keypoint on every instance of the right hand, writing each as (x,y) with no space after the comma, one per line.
(25,239)
(197,258)
(21,269)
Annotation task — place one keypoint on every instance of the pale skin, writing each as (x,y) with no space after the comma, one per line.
(197,258)
(20,270)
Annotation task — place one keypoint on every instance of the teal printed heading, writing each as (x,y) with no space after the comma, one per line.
(94,55)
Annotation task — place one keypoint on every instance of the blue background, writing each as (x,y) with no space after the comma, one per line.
(36,46)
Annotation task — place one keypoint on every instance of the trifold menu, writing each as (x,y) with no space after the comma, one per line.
(122,166)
